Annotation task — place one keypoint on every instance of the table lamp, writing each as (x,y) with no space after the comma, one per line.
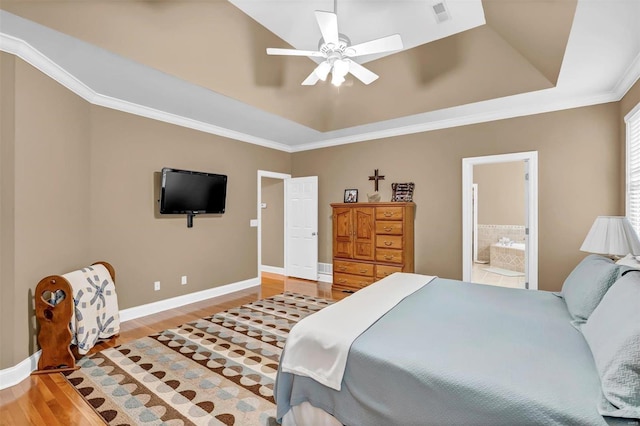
(612,236)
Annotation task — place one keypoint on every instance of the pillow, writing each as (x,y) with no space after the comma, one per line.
(630,261)
(613,334)
(586,285)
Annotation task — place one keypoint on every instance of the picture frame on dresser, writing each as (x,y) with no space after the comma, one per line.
(350,195)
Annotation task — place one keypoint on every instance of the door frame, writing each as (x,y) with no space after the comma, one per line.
(532,210)
(474,230)
(272,175)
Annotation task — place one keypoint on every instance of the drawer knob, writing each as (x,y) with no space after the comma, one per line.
(342,268)
(388,243)
(342,281)
(388,228)
(388,214)
(362,271)
(387,257)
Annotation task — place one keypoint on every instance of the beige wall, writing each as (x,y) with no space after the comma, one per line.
(7,184)
(630,99)
(579,154)
(273,222)
(219,249)
(500,193)
(50,189)
(83,178)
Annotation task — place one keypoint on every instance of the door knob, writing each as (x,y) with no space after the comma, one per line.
(313,234)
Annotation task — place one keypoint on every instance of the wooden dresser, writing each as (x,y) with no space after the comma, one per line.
(371,241)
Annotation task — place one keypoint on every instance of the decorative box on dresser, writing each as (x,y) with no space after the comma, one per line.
(370,242)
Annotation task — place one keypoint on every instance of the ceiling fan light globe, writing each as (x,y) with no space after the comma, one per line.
(322,71)
(341,67)
(337,80)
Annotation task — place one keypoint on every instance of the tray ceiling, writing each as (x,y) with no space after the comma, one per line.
(489,51)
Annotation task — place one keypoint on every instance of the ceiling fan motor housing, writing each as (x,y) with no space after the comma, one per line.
(328,48)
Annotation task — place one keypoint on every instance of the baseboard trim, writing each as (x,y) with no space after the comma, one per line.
(272,269)
(13,375)
(325,278)
(175,302)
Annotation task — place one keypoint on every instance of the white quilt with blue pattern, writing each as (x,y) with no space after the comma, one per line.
(95,314)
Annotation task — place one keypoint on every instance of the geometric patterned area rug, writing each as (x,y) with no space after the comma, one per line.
(218,370)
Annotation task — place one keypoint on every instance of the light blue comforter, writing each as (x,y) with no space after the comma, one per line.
(455,353)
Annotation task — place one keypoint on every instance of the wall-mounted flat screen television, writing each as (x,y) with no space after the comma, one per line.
(191,193)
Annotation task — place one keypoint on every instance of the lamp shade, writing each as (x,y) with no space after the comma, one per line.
(611,235)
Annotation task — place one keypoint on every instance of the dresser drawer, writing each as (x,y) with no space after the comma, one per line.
(389,241)
(386,227)
(351,281)
(389,213)
(389,255)
(386,270)
(355,268)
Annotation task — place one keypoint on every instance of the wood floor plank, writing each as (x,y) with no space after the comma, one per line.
(49,400)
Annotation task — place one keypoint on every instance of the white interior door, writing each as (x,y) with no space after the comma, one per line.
(301,243)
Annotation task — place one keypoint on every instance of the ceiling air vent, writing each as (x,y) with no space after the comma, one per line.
(441,12)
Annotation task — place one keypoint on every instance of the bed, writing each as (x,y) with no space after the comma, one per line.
(457,353)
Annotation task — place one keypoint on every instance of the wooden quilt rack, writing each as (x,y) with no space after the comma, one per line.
(55,335)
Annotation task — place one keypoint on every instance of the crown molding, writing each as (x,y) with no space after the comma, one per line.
(628,79)
(480,112)
(35,58)
(490,113)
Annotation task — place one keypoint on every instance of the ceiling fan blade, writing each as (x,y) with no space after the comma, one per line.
(311,79)
(294,52)
(361,73)
(379,45)
(328,23)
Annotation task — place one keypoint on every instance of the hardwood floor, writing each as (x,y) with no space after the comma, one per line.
(48,399)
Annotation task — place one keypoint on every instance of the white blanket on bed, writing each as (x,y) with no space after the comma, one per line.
(318,345)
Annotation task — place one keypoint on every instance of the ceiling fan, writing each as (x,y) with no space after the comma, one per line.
(337,50)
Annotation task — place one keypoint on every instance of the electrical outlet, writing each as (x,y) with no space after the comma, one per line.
(183,280)
(156,285)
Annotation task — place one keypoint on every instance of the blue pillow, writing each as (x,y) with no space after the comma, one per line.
(586,285)
(613,334)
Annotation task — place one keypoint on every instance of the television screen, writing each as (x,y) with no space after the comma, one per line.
(192,192)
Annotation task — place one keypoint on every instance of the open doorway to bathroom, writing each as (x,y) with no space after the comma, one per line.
(500,220)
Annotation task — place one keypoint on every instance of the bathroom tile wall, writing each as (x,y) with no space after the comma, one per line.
(490,234)
(507,258)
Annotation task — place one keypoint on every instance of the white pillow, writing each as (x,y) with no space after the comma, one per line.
(586,285)
(629,260)
(613,334)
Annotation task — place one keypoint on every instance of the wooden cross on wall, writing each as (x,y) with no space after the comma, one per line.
(376,177)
